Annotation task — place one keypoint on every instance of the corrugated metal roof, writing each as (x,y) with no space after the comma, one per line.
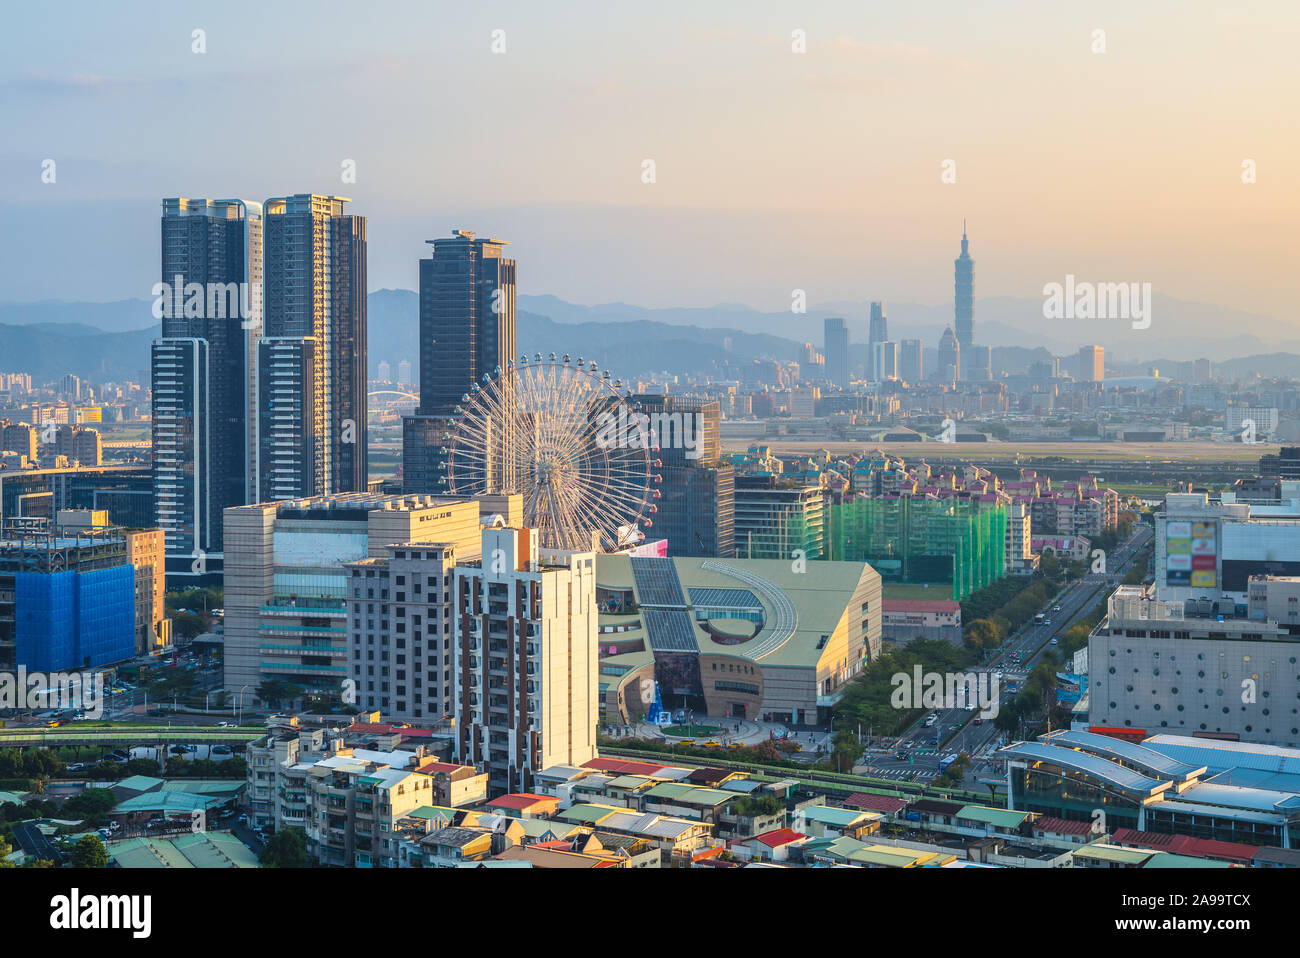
(1220,756)
(1144,758)
(1114,774)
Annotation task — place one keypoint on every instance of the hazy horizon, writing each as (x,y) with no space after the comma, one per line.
(775,170)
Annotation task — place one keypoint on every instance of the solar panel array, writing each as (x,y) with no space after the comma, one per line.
(725,599)
(670,630)
(657,583)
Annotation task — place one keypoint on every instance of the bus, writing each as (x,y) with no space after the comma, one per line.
(945,762)
(1039,618)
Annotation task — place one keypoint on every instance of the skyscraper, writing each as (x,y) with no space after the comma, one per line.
(878,330)
(884,361)
(698,495)
(836,348)
(1092,364)
(312,357)
(949,357)
(467,330)
(911,367)
(964,293)
(203,413)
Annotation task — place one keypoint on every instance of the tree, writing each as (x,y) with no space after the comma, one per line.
(983,634)
(89,853)
(90,806)
(286,849)
(275,691)
(5,851)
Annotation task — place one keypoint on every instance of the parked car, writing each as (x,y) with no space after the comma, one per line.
(221,750)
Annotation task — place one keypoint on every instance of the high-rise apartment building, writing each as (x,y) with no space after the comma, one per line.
(1091,364)
(467,330)
(526,659)
(774,520)
(949,357)
(203,416)
(884,361)
(964,293)
(878,328)
(911,364)
(311,361)
(979,364)
(697,504)
(836,348)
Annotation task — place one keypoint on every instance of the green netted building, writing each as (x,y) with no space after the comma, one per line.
(916,540)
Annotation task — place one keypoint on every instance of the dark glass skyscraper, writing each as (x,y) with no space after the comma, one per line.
(312,358)
(698,504)
(467,330)
(964,293)
(203,434)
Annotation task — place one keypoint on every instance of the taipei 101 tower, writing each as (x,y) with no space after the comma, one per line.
(964,290)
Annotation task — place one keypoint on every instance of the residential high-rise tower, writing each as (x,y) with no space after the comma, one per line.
(312,358)
(467,330)
(203,414)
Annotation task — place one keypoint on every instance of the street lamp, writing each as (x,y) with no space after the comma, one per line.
(239,712)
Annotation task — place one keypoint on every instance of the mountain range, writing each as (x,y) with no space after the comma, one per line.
(110,341)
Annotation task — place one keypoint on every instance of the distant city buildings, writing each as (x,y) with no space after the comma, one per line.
(964,294)
(836,349)
(1091,364)
(949,356)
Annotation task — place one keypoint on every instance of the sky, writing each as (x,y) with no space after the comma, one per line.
(775,170)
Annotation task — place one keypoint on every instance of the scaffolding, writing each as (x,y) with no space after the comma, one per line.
(922,539)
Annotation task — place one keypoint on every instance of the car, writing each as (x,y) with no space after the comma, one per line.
(1056,608)
(712,744)
(901,755)
(76,767)
(157,712)
(53,723)
(223,725)
(178,750)
(243,819)
(687,741)
(103,833)
(1047,622)
(221,750)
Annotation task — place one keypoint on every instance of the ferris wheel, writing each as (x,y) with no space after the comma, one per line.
(559,433)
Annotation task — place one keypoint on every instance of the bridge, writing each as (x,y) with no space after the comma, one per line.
(132,736)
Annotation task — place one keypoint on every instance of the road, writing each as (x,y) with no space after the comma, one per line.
(956,728)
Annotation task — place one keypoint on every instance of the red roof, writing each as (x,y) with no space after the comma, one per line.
(441,768)
(1061,826)
(521,800)
(885,804)
(1186,845)
(779,837)
(623,766)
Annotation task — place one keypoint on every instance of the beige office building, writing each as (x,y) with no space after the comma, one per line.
(287,599)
